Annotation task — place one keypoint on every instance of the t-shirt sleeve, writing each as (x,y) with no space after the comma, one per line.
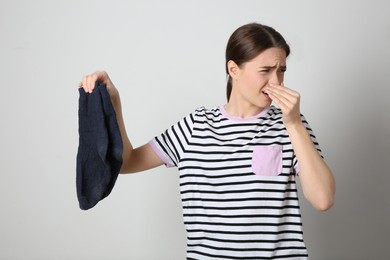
(171,145)
(313,138)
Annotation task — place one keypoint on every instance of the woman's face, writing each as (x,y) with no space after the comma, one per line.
(251,77)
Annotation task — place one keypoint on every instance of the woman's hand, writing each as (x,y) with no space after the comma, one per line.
(288,101)
(88,82)
(134,160)
(317,179)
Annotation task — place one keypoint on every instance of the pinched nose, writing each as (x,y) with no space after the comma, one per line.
(275,79)
(273,83)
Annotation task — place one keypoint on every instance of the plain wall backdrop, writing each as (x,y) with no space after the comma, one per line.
(167,59)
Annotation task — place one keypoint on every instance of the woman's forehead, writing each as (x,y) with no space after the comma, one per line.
(273,57)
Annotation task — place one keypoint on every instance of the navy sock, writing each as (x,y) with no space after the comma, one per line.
(99,156)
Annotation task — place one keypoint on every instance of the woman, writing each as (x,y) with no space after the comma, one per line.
(238,162)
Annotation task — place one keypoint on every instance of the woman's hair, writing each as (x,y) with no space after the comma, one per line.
(247,42)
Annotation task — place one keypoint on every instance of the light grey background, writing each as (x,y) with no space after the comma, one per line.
(167,58)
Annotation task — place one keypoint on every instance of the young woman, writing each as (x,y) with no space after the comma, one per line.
(238,163)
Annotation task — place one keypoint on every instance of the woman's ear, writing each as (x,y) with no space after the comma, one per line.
(233,69)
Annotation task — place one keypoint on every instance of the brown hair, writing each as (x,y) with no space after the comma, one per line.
(247,42)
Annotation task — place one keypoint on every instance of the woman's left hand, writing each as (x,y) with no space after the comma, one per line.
(288,101)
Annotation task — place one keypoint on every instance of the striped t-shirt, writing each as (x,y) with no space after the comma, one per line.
(237,184)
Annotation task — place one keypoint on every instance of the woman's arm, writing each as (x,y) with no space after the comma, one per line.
(317,179)
(134,160)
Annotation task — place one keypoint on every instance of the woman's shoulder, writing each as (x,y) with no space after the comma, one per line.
(273,110)
(209,112)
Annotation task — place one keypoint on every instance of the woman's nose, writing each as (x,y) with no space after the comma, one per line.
(274,82)
(275,79)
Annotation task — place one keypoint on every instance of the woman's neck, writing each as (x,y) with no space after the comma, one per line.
(242,110)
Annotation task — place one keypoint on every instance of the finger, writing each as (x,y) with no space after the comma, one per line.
(84,84)
(286,102)
(276,98)
(90,83)
(290,111)
(95,77)
(288,96)
(281,97)
(282,88)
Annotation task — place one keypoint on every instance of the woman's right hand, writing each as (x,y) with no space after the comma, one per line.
(88,82)
(134,160)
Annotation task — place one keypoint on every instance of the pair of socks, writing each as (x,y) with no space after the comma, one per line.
(99,155)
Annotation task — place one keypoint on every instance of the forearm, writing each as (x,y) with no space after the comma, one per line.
(316,178)
(138,159)
(127,146)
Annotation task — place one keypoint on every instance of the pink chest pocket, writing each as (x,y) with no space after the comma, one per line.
(267,160)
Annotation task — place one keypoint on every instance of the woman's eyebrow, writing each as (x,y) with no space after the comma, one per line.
(273,67)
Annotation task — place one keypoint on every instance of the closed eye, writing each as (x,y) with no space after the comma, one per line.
(282,69)
(267,69)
